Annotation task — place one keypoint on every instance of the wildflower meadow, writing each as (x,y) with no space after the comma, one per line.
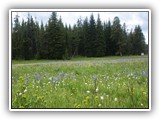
(109,82)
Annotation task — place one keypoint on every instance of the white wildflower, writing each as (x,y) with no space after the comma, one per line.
(141,104)
(115,99)
(108,78)
(96,89)
(99,105)
(20,94)
(88,91)
(101,97)
(50,78)
(25,90)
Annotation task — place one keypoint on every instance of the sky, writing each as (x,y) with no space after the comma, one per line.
(131,19)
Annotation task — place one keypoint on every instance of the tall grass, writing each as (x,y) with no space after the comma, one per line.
(81,85)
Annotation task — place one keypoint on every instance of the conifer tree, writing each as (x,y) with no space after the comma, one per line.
(116,37)
(86,36)
(91,46)
(55,36)
(16,38)
(107,37)
(138,41)
(99,42)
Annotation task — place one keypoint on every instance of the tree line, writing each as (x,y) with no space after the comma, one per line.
(88,38)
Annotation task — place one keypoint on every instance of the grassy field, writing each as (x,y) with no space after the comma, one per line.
(109,82)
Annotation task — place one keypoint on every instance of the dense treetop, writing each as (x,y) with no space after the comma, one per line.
(88,38)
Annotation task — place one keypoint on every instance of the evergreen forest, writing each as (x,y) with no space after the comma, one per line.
(89,37)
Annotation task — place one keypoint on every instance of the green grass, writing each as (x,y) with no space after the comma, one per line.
(77,59)
(91,83)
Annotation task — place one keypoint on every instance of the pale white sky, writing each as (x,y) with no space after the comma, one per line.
(130,18)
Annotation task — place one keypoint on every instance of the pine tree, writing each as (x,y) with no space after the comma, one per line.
(129,45)
(75,41)
(16,39)
(123,43)
(55,37)
(86,36)
(52,35)
(91,46)
(45,43)
(100,41)
(28,54)
(60,43)
(30,38)
(81,50)
(138,41)
(67,45)
(107,37)
(40,42)
(69,40)
(116,36)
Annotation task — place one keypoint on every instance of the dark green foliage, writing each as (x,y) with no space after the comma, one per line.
(146,49)
(138,41)
(88,38)
(75,41)
(107,38)
(41,43)
(100,41)
(17,42)
(68,46)
(116,37)
(54,38)
(129,45)
(60,43)
(81,49)
(123,44)
(91,41)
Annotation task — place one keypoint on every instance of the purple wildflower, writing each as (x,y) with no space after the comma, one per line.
(67,76)
(94,77)
(144,73)
(61,75)
(39,77)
